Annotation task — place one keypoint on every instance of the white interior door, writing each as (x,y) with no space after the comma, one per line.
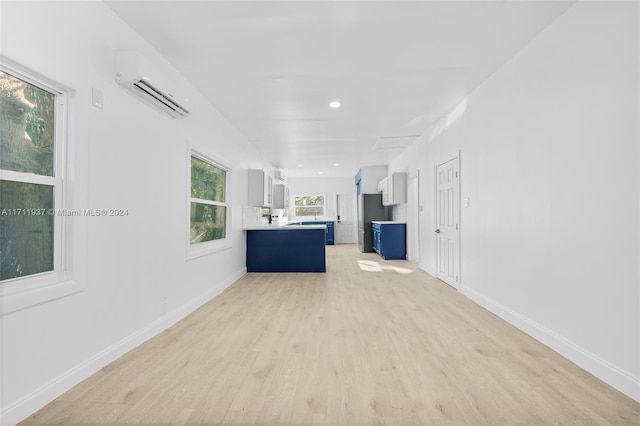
(346,228)
(413,227)
(448,222)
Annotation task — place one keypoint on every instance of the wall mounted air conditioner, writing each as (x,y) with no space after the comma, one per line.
(137,74)
(278,175)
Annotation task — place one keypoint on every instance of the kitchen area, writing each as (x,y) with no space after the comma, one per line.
(290,222)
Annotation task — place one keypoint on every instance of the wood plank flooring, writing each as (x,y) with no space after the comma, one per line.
(370,342)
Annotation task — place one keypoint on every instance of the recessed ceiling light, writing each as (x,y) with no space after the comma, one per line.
(336,164)
(335,104)
(320,173)
(299,165)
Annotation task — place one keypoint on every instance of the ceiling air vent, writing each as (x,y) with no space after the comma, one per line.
(395,142)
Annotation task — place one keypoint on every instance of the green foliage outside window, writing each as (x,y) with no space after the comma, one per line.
(309,205)
(27,146)
(208,220)
(208,182)
(27,117)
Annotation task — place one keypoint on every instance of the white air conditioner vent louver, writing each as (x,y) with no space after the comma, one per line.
(147,89)
(136,74)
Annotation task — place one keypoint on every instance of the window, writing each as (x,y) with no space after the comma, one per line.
(309,205)
(209,217)
(34,248)
(30,176)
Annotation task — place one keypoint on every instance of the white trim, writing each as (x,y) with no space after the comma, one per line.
(19,410)
(194,251)
(458,267)
(310,194)
(209,202)
(207,159)
(30,76)
(427,269)
(617,378)
(202,249)
(22,292)
(9,175)
(10,303)
(413,217)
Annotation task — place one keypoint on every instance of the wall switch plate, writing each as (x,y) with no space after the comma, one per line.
(466,202)
(97,98)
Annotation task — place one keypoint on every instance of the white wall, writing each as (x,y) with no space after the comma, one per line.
(124,156)
(549,161)
(331,186)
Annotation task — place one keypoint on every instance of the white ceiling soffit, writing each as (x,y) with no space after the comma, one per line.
(272,67)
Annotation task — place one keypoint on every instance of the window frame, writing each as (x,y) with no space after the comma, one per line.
(207,247)
(310,194)
(22,292)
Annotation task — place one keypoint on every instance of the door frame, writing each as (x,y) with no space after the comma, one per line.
(354,235)
(443,160)
(413,212)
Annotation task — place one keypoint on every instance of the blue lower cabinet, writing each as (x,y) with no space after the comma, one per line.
(329,238)
(376,237)
(286,250)
(330,232)
(389,240)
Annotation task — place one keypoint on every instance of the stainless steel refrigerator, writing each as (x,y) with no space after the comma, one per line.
(369,208)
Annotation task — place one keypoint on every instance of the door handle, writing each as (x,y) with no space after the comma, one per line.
(437,231)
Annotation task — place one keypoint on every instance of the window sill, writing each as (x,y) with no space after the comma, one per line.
(203,249)
(11,303)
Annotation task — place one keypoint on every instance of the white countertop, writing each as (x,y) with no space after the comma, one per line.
(281,227)
(388,221)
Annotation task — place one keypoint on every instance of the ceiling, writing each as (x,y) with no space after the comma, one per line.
(272,67)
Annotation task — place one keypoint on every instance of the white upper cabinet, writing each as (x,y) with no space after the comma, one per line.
(260,188)
(280,196)
(368,177)
(394,189)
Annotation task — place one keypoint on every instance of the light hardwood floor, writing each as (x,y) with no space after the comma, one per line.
(387,344)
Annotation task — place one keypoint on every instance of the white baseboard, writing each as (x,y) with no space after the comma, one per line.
(37,399)
(610,374)
(426,269)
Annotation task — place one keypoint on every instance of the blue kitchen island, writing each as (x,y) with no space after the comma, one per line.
(289,248)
